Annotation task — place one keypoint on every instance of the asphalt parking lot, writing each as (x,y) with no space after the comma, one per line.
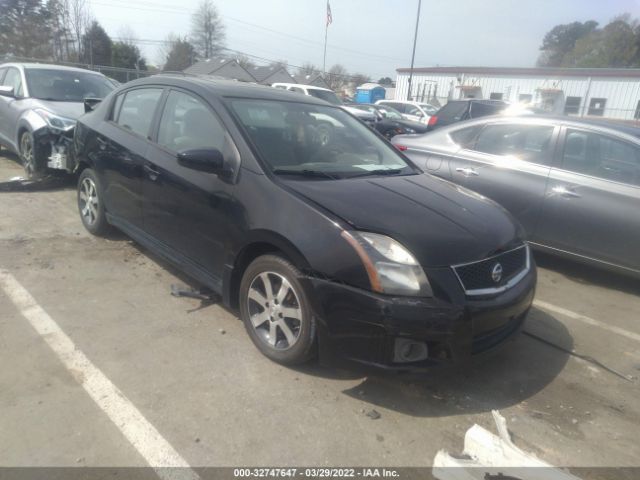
(568,386)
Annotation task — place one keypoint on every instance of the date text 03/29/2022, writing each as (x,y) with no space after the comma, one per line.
(314,473)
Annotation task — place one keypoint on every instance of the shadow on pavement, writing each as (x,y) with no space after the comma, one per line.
(587,274)
(515,373)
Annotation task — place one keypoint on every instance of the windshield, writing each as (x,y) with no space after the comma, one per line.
(298,138)
(326,95)
(66,85)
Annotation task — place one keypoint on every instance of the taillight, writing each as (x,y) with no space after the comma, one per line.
(433,120)
(402,148)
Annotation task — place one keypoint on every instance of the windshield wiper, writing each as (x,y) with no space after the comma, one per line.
(305,173)
(380,171)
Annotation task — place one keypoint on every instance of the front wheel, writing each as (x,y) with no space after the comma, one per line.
(28,156)
(91,204)
(276,311)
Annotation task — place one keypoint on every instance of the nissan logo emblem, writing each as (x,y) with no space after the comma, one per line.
(496,273)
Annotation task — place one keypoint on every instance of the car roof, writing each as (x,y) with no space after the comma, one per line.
(47,66)
(553,119)
(226,88)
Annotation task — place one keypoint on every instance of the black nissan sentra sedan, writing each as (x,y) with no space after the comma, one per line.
(325,238)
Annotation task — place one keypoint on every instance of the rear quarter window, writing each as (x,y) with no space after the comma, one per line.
(452,111)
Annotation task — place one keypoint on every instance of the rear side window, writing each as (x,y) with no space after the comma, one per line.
(187,124)
(398,106)
(465,136)
(137,109)
(601,156)
(531,143)
(452,112)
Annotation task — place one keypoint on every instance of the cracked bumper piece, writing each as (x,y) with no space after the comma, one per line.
(411,333)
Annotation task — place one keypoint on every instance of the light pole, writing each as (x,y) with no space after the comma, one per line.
(413,54)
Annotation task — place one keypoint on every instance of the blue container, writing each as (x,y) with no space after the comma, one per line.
(369,93)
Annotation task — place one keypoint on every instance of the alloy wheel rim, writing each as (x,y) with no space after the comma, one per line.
(88,201)
(274,310)
(26,148)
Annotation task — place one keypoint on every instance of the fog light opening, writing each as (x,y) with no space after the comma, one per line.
(406,351)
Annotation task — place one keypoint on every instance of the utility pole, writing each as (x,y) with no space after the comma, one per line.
(413,55)
(328,21)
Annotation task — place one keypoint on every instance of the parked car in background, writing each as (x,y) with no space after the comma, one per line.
(573,185)
(39,106)
(328,96)
(415,111)
(458,110)
(390,122)
(232,183)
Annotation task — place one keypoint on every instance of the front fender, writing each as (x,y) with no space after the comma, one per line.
(31,121)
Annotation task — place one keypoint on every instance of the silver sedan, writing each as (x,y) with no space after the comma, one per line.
(574,185)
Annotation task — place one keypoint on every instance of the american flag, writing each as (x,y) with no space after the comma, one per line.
(329,16)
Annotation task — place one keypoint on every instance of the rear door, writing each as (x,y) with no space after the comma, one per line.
(592,202)
(509,163)
(186,210)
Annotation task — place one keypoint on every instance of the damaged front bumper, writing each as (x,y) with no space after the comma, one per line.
(56,148)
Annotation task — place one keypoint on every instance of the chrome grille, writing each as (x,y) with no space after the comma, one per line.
(482,278)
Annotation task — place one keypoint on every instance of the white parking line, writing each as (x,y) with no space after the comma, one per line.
(583,318)
(144,437)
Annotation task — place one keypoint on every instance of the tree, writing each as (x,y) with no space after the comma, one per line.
(181,54)
(360,78)
(25,29)
(613,46)
(385,81)
(96,45)
(308,69)
(126,55)
(207,30)
(561,40)
(245,62)
(279,64)
(337,77)
(79,20)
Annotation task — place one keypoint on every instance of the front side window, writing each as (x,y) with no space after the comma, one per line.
(188,124)
(531,143)
(14,79)
(601,156)
(66,85)
(314,140)
(137,110)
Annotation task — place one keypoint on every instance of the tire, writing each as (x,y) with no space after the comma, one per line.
(29,157)
(286,332)
(91,204)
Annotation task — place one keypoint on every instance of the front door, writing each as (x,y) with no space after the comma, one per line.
(509,163)
(592,202)
(122,146)
(186,210)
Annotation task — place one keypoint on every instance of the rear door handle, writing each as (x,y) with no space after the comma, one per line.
(152,173)
(468,172)
(565,191)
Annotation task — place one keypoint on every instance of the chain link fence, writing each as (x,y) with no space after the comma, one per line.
(122,75)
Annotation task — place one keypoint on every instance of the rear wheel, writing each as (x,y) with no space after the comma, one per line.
(276,311)
(90,203)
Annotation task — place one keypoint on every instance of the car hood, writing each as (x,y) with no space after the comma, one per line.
(71,110)
(441,223)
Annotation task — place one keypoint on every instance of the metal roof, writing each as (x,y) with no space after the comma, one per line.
(536,71)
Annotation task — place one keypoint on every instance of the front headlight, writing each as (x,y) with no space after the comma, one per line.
(56,121)
(391,268)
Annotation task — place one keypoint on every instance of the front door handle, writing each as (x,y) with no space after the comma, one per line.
(151,172)
(468,172)
(565,191)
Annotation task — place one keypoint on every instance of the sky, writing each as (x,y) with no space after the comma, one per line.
(373,37)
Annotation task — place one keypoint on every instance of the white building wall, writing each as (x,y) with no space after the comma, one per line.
(621,94)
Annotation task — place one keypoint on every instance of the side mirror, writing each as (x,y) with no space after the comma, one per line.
(90,104)
(7,92)
(209,160)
